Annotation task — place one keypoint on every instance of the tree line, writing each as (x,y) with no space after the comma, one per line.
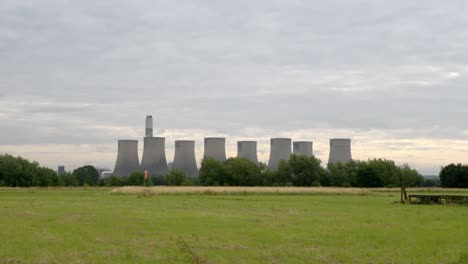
(307,171)
(454,176)
(297,171)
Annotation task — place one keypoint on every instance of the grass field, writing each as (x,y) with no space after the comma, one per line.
(142,225)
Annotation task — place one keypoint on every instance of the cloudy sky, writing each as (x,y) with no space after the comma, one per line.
(76,76)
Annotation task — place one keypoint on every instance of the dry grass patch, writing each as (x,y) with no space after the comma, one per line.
(158,190)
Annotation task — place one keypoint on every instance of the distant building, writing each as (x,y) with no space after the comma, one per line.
(101,171)
(61,170)
(105,174)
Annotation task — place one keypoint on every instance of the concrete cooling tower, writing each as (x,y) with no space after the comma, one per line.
(154,156)
(215,148)
(184,157)
(149,126)
(248,150)
(340,150)
(280,150)
(127,158)
(304,148)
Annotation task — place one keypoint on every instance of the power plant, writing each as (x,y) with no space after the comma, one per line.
(184,157)
(280,150)
(340,150)
(304,148)
(154,156)
(127,158)
(154,153)
(215,148)
(247,150)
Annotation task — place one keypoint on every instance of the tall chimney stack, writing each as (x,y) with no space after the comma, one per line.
(149,126)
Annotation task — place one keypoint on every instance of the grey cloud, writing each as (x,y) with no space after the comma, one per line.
(78,68)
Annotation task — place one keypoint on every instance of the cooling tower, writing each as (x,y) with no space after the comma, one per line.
(149,126)
(184,157)
(303,148)
(127,158)
(248,150)
(340,150)
(215,148)
(280,150)
(154,156)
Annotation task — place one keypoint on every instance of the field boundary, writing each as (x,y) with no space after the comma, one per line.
(231,190)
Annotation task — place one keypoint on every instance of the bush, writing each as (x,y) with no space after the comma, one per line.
(241,172)
(69,179)
(136,178)
(213,173)
(157,180)
(177,177)
(115,181)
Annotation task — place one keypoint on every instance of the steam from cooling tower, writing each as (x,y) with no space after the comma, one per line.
(340,150)
(280,150)
(304,148)
(215,148)
(184,157)
(149,126)
(127,158)
(247,150)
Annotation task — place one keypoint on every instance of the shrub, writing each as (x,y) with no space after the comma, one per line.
(177,177)
(69,179)
(157,180)
(136,178)
(115,181)
(213,173)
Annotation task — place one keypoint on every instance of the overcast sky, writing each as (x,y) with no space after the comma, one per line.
(76,76)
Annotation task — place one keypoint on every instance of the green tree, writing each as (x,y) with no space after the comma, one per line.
(136,178)
(115,181)
(177,177)
(387,171)
(305,171)
(368,176)
(213,172)
(242,172)
(19,172)
(283,174)
(69,179)
(86,175)
(411,178)
(454,176)
(11,171)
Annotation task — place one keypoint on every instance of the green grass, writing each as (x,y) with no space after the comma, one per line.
(95,226)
